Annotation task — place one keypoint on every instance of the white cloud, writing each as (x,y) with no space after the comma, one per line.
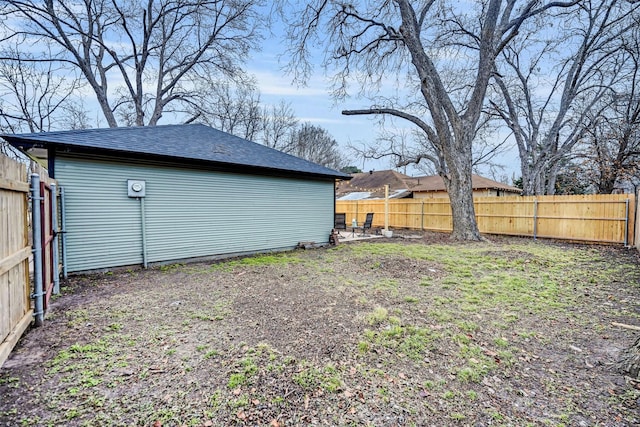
(272,83)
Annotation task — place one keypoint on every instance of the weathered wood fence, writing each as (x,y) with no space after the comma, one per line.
(609,218)
(17,294)
(15,301)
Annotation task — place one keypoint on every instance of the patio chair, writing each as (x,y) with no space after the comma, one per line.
(367,224)
(340,222)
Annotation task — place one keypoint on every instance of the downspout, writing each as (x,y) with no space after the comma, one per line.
(335,184)
(63,220)
(38,292)
(144,233)
(54,244)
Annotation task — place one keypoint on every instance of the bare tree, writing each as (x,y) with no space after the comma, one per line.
(430,48)
(33,96)
(233,109)
(157,50)
(579,66)
(76,116)
(277,124)
(315,144)
(610,148)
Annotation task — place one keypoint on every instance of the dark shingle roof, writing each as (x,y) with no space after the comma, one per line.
(193,142)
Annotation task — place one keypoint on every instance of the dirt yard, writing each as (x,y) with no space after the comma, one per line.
(387,332)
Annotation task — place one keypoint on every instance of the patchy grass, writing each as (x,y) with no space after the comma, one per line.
(513,332)
(280,258)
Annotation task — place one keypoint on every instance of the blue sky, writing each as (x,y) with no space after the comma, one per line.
(314,104)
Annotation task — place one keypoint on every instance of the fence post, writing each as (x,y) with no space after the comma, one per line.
(38,288)
(626,223)
(535,219)
(422,217)
(636,223)
(386,207)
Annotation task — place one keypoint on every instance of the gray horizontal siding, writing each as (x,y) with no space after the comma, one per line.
(189,213)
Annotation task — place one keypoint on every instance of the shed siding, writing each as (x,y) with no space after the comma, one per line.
(188,213)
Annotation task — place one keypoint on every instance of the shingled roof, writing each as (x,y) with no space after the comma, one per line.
(434,183)
(370,185)
(178,143)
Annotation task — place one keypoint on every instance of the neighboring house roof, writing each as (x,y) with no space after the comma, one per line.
(182,143)
(370,185)
(434,183)
(363,195)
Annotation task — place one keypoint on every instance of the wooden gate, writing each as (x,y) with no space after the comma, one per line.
(47,215)
(46,267)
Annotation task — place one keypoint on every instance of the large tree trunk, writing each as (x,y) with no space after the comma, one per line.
(460,189)
(629,361)
(465,226)
(606,187)
(533,183)
(528,185)
(552,178)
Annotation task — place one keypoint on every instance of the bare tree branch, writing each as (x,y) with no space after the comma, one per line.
(155,50)
(587,70)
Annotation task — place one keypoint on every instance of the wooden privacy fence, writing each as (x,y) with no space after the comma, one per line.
(602,218)
(20,302)
(15,302)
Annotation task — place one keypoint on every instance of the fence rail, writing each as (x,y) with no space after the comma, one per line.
(15,303)
(608,218)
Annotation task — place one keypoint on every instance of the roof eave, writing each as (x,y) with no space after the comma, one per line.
(26,143)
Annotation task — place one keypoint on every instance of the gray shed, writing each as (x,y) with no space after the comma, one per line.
(144,195)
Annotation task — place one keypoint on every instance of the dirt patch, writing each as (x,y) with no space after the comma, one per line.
(389,332)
